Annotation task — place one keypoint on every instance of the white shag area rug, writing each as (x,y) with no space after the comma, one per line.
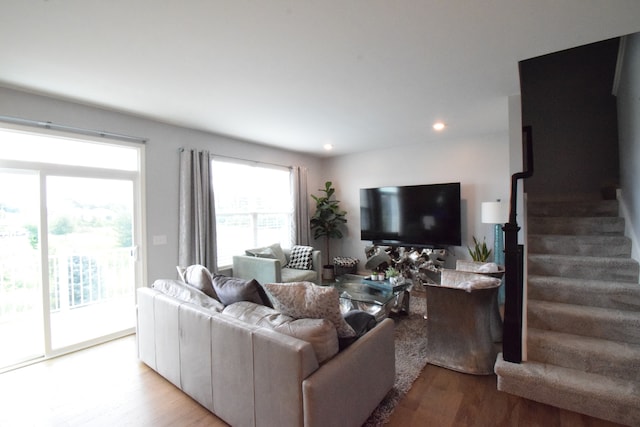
(411,345)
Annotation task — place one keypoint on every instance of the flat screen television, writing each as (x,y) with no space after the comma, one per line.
(414,215)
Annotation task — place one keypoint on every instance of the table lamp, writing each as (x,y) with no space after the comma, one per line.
(496,213)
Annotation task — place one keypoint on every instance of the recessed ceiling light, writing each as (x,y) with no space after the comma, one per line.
(328,147)
(439,126)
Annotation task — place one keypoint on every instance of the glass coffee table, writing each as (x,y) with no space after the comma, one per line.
(358,293)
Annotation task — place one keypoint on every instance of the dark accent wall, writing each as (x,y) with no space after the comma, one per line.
(566,98)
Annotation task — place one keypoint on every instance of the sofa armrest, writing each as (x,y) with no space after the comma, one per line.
(281,364)
(264,270)
(346,389)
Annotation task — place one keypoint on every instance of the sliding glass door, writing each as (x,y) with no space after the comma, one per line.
(90,258)
(21,316)
(69,227)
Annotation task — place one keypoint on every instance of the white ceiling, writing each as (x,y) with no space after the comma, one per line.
(360,74)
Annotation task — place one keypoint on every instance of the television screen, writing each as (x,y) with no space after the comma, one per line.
(415,215)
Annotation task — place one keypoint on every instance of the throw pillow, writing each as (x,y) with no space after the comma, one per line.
(301,258)
(307,300)
(320,333)
(234,289)
(199,277)
(187,293)
(361,322)
(272,251)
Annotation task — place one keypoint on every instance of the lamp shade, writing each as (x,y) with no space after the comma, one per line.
(494,213)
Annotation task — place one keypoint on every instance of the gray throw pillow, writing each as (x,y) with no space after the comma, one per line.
(199,277)
(234,289)
(187,293)
(272,251)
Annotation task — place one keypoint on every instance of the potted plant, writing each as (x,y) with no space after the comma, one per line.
(480,252)
(393,275)
(327,222)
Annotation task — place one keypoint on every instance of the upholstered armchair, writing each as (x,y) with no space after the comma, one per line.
(463,322)
(273,264)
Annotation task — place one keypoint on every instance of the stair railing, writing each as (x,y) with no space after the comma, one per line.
(514,261)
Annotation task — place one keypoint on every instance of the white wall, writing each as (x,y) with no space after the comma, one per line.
(480,164)
(628,102)
(162,162)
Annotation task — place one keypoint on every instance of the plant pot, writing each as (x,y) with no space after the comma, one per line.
(328,272)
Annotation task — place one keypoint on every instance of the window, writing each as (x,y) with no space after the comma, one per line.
(254,207)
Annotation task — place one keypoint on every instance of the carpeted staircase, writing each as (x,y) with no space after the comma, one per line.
(583,313)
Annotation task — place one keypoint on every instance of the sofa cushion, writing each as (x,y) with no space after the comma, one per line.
(187,293)
(320,333)
(234,289)
(307,300)
(294,275)
(199,277)
(272,251)
(301,258)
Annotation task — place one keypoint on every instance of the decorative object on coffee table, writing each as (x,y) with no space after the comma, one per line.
(377,259)
(327,222)
(392,275)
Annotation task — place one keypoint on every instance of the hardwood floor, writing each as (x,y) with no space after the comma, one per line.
(107,386)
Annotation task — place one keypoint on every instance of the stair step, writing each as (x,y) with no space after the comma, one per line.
(596,293)
(565,197)
(613,399)
(588,226)
(616,269)
(597,356)
(596,322)
(576,208)
(600,246)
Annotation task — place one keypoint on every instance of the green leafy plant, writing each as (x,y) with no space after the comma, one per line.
(480,252)
(328,219)
(392,272)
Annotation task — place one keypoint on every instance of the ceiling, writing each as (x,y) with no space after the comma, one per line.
(359,74)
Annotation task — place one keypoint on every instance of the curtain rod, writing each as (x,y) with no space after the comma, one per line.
(244,160)
(72,129)
(252,161)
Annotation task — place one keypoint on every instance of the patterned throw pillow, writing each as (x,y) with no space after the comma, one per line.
(301,258)
(306,300)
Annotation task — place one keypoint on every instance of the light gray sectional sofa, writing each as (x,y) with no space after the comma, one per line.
(252,375)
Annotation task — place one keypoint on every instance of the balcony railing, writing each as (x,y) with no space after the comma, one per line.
(75,280)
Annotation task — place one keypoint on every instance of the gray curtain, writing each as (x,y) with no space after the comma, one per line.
(197,231)
(301,206)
